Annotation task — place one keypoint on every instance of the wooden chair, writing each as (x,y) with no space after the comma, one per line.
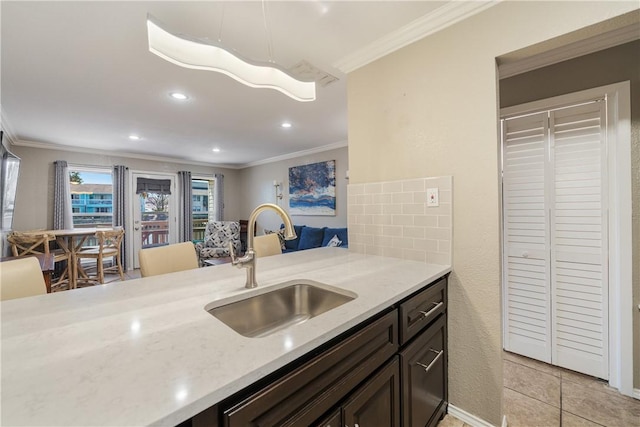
(267,245)
(29,243)
(21,278)
(109,243)
(167,259)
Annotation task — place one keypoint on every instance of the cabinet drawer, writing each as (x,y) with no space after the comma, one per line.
(424,381)
(418,311)
(304,394)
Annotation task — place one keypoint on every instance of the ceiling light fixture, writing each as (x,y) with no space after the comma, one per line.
(190,53)
(134,137)
(216,150)
(178,95)
(286,125)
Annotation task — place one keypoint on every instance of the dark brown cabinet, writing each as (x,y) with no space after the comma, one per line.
(424,382)
(377,403)
(391,370)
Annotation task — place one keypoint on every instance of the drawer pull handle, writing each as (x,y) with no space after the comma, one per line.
(428,313)
(433,362)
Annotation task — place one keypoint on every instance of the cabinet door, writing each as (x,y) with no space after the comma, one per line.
(332,420)
(305,394)
(377,402)
(424,377)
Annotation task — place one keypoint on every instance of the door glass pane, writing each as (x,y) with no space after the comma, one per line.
(202,206)
(154,212)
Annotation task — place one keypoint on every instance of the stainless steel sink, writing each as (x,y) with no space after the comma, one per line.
(279,307)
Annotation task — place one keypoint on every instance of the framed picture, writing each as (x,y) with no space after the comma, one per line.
(312,189)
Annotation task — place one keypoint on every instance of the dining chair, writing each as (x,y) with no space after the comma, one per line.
(21,278)
(30,243)
(267,245)
(167,259)
(109,245)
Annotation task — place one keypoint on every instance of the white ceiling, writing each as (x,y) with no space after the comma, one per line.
(79,75)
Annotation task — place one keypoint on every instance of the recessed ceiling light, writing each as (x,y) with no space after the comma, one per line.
(216,150)
(286,125)
(134,137)
(178,95)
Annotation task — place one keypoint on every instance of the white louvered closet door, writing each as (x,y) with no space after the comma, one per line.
(555,237)
(526,237)
(579,285)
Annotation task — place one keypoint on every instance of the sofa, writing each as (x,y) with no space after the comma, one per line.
(313,237)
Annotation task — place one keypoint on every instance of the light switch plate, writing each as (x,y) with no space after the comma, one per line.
(432,197)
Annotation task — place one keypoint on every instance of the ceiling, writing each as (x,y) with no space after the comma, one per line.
(79,75)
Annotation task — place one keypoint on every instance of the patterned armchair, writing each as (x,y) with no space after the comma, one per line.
(217,236)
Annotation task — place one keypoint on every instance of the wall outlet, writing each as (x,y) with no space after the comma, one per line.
(432,197)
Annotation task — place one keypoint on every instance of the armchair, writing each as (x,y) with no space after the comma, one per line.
(217,236)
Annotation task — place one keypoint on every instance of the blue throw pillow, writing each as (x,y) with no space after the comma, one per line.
(292,245)
(342,234)
(310,238)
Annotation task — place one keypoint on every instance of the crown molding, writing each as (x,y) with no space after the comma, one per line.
(51,146)
(432,22)
(583,47)
(8,133)
(296,154)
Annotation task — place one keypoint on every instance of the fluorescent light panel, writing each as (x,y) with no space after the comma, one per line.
(194,54)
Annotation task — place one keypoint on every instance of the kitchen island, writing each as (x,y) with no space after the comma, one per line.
(145,352)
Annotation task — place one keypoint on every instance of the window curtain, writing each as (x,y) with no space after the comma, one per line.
(62,212)
(185,231)
(119,206)
(218,197)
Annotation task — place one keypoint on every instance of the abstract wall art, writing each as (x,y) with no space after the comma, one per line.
(312,189)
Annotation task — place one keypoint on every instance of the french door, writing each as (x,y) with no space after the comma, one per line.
(555,230)
(154,211)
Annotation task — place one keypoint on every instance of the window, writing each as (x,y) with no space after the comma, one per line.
(91,196)
(202,209)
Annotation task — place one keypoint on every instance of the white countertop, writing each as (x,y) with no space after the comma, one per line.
(145,352)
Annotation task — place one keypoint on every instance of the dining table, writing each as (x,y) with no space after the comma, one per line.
(71,240)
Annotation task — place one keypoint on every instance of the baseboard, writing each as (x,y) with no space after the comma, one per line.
(636,393)
(471,419)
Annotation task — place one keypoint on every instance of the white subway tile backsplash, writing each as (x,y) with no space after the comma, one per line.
(425,220)
(414,232)
(402,219)
(392,219)
(413,208)
(402,197)
(373,229)
(392,209)
(373,188)
(392,230)
(392,187)
(413,185)
(353,189)
(364,199)
(372,209)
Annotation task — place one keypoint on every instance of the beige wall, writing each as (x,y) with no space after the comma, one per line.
(257,187)
(431,109)
(613,65)
(34,197)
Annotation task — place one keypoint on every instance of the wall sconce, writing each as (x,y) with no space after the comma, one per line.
(277,186)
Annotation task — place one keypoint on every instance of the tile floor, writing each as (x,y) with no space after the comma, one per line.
(538,394)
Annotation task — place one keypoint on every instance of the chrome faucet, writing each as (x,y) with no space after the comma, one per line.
(248,260)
